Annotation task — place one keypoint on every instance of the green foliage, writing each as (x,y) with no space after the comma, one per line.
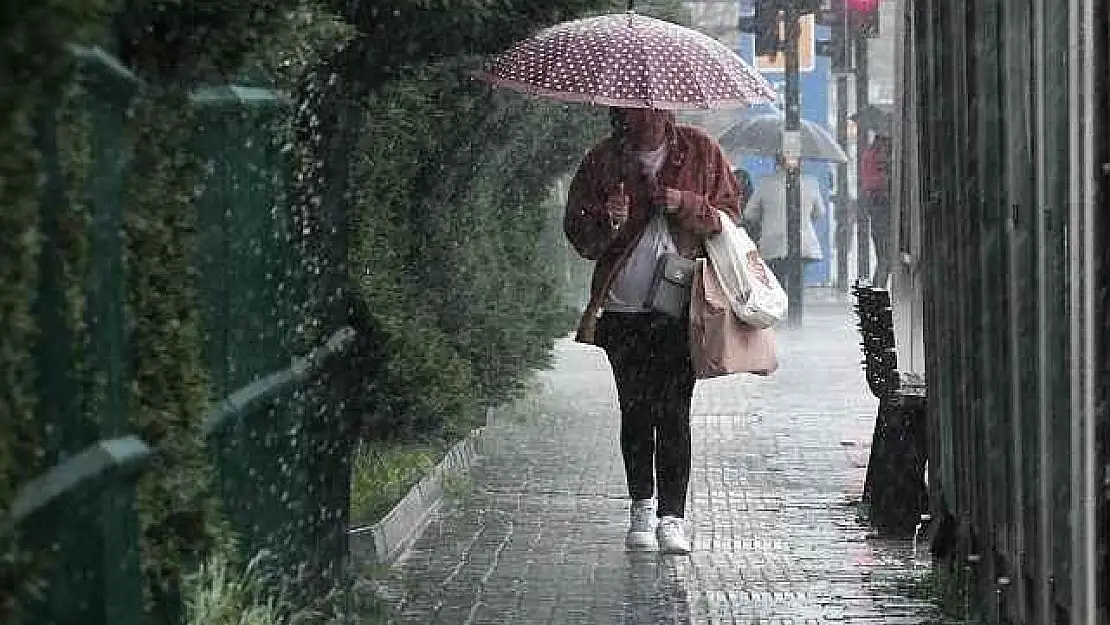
(449,199)
(169,393)
(183,41)
(356,602)
(168,389)
(451,217)
(219,593)
(309,34)
(382,473)
(482,217)
(414,377)
(35,70)
(408,33)
(223,592)
(170,396)
(444,241)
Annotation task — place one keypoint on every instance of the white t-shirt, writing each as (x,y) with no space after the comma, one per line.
(630,289)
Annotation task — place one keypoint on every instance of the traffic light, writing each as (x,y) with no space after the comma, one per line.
(863,17)
(767,23)
(831,13)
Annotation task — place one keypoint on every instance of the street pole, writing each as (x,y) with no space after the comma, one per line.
(791,147)
(843,206)
(863,217)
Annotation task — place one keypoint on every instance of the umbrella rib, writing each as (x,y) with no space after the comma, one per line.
(821,145)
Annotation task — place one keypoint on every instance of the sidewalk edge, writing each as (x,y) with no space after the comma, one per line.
(384,542)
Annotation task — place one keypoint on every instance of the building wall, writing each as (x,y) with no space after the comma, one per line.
(1012,277)
(906,200)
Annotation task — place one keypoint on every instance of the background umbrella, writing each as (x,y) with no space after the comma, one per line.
(629,60)
(762,134)
(876,117)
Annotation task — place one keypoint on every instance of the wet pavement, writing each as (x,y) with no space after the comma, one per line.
(536,534)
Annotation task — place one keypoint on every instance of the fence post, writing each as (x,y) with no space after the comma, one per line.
(240,237)
(93,571)
(244,235)
(94,491)
(279,442)
(111,90)
(285,525)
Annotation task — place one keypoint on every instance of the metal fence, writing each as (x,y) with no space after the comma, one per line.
(998,183)
(271,438)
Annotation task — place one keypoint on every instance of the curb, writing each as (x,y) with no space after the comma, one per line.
(383,542)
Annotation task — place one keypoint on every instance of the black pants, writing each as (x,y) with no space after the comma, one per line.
(781,266)
(878,209)
(651,364)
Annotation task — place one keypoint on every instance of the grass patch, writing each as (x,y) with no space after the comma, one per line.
(221,593)
(384,472)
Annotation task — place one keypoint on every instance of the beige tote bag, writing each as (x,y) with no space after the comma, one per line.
(721,344)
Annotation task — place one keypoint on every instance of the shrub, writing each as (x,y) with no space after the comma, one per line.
(167,382)
(221,593)
(447,204)
(444,250)
(383,473)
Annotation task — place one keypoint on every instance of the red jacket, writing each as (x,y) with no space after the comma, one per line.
(874,166)
(695,166)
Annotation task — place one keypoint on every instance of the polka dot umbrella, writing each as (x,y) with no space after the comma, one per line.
(629,60)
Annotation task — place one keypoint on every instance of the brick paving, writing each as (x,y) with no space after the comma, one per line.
(538,535)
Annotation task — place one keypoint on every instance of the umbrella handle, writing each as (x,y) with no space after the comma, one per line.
(614,222)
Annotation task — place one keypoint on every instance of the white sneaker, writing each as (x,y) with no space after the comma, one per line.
(641,526)
(672,536)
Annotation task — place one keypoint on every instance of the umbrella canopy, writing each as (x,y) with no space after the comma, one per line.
(763,134)
(876,117)
(629,60)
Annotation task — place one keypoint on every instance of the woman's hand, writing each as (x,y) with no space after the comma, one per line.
(670,200)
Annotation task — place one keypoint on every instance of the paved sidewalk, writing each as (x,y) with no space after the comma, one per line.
(538,537)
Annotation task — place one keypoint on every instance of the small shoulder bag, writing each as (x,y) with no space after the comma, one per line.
(670,285)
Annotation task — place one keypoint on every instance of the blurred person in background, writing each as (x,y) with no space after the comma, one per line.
(766,218)
(875,184)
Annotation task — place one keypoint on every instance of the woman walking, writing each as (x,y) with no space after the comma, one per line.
(652,188)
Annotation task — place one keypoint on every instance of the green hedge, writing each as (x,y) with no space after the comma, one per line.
(452,223)
(35,69)
(448,206)
(167,382)
(169,389)
(448,211)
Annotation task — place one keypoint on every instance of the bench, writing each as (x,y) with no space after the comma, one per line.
(894,491)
